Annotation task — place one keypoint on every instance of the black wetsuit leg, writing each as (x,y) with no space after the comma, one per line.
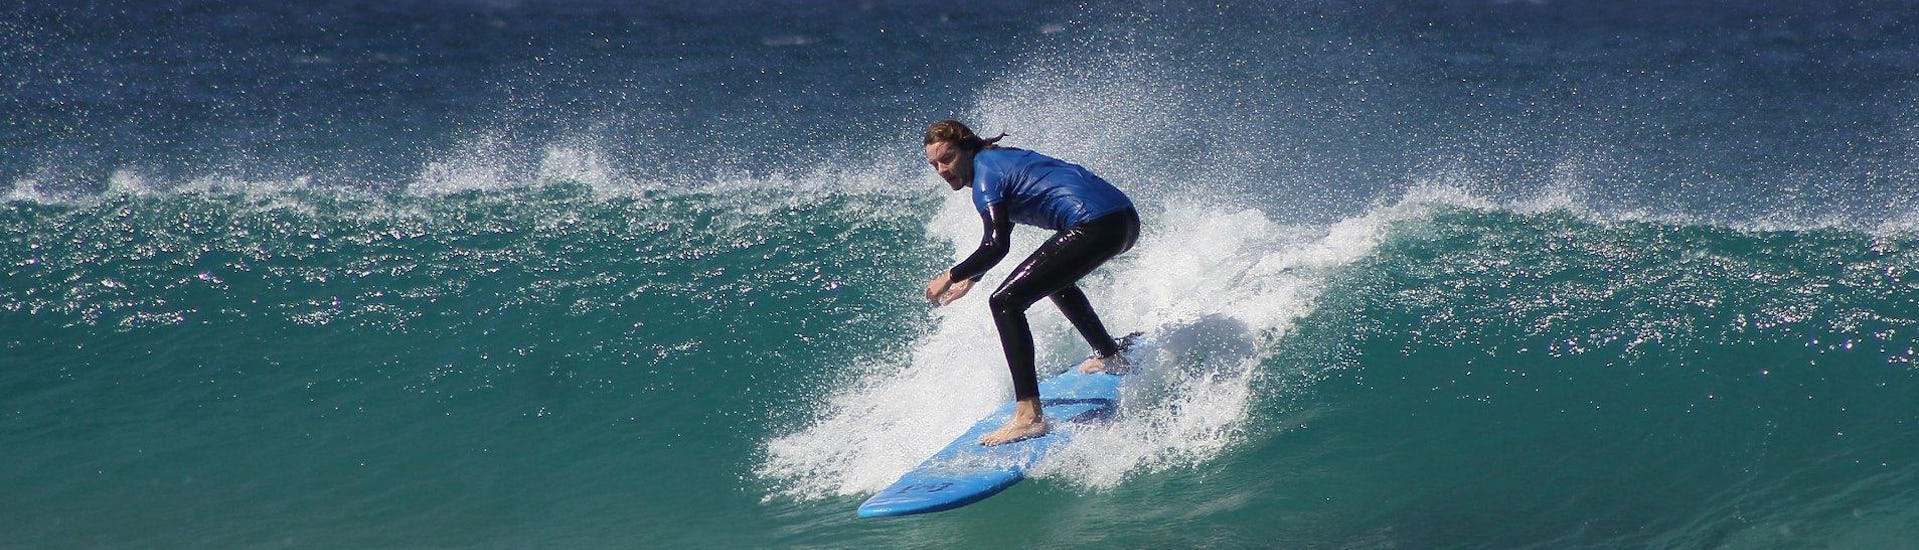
(1079,311)
(1052,271)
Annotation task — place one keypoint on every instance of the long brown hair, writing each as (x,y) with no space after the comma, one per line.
(951,131)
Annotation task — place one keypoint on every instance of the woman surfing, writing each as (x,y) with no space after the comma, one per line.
(1093,222)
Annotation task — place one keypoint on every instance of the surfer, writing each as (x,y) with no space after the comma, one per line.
(1094,222)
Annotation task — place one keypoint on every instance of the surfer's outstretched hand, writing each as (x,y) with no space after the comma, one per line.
(944,290)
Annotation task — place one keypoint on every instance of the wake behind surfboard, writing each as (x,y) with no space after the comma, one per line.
(965,472)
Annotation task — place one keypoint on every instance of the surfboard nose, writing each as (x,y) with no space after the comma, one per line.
(965,472)
(925,495)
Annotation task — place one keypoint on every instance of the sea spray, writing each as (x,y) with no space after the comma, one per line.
(1229,280)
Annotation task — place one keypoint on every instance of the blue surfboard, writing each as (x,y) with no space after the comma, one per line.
(965,472)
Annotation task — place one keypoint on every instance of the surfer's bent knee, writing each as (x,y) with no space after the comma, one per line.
(1006,301)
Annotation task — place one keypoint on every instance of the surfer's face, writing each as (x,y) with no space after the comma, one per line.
(954,164)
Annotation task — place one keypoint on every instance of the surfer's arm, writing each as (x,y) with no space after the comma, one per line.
(992,247)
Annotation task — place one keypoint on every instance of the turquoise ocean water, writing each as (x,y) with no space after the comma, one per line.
(645,275)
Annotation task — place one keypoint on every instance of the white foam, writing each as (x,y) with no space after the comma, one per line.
(28,191)
(1217,280)
(1213,274)
(581,163)
(482,163)
(1224,287)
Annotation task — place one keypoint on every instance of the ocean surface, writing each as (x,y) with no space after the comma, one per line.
(597,274)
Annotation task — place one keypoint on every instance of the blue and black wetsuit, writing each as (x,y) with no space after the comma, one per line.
(1094,220)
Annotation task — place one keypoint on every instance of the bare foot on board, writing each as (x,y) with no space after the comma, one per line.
(1028,422)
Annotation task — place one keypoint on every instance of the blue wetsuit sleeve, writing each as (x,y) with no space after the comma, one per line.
(992,246)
